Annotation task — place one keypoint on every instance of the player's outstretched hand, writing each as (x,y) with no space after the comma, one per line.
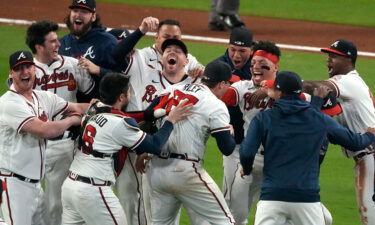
(91,67)
(242,174)
(196,72)
(149,24)
(180,112)
(371,130)
(322,91)
(140,162)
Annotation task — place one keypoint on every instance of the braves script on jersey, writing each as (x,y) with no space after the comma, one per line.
(356,101)
(24,154)
(243,90)
(147,85)
(63,77)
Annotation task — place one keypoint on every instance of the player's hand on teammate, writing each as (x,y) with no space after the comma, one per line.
(141,161)
(371,130)
(196,72)
(322,91)
(149,24)
(180,112)
(89,66)
(256,97)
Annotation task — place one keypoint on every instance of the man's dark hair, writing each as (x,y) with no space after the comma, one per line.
(112,86)
(35,34)
(268,47)
(169,22)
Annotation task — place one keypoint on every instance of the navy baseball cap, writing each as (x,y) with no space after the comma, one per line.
(119,33)
(19,58)
(242,37)
(288,82)
(84,4)
(176,42)
(342,47)
(217,71)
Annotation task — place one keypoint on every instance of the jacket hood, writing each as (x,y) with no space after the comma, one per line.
(291,104)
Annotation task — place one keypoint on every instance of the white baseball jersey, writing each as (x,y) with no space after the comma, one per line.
(106,133)
(146,86)
(149,57)
(356,100)
(244,89)
(63,77)
(22,152)
(210,115)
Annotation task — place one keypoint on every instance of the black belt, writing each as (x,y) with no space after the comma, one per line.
(87,180)
(167,155)
(19,177)
(360,155)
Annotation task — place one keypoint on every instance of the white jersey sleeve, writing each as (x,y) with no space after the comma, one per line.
(127,134)
(54,104)
(355,98)
(193,63)
(219,119)
(16,115)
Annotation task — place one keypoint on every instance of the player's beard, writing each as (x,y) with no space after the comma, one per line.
(123,108)
(79,32)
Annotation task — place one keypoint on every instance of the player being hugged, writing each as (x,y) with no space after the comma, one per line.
(106,131)
(176,176)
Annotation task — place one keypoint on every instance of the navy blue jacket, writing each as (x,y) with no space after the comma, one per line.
(97,46)
(234,111)
(292,132)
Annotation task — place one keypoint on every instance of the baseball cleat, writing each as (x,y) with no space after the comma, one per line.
(230,21)
(216,26)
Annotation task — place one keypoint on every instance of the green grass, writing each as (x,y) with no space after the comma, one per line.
(337,178)
(355,12)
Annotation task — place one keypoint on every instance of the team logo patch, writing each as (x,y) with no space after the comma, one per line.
(21,56)
(43,117)
(90,53)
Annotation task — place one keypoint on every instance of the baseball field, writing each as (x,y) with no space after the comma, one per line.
(304,23)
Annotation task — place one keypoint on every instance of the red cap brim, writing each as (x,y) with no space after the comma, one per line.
(329,50)
(336,110)
(22,62)
(234,78)
(270,83)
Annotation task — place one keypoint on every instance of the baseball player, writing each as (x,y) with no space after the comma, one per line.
(60,75)
(357,104)
(25,124)
(146,84)
(88,41)
(292,133)
(86,193)
(176,177)
(239,193)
